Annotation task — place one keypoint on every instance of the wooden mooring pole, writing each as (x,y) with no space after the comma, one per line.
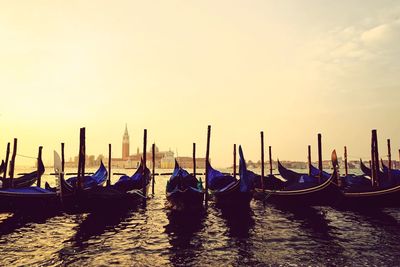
(234,161)
(207,160)
(194,160)
(320,167)
(346,170)
(61,175)
(109,165)
(270,160)
(376,154)
(12,163)
(262,161)
(389,159)
(39,162)
(372,161)
(82,155)
(374,158)
(62,171)
(144,162)
(153,172)
(309,160)
(62,159)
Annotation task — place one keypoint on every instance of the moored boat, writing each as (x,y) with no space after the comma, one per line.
(295,177)
(183,190)
(228,191)
(306,192)
(66,196)
(25,180)
(125,193)
(87,182)
(392,174)
(135,182)
(367,195)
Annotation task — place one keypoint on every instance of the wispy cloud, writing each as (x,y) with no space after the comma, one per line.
(364,55)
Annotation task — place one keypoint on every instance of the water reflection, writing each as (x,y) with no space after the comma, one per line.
(181,230)
(310,220)
(381,223)
(18,220)
(154,236)
(296,236)
(368,235)
(239,223)
(92,231)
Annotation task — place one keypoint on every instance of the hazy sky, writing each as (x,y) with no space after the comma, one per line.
(290,68)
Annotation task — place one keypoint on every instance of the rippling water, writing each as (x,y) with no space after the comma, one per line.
(153,236)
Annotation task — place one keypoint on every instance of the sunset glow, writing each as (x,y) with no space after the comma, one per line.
(290,68)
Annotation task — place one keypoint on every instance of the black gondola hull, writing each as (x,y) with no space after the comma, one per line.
(326,194)
(108,198)
(232,197)
(8,204)
(185,199)
(389,197)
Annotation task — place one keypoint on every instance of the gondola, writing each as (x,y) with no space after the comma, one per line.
(25,180)
(394,174)
(367,171)
(289,175)
(66,196)
(37,199)
(27,199)
(183,190)
(125,194)
(307,192)
(93,196)
(364,168)
(270,182)
(34,198)
(383,176)
(348,180)
(135,182)
(127,190)
(228,191)
(295,177)
(88,181)
(367,196)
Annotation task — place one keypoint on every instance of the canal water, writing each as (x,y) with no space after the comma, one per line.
(155,236)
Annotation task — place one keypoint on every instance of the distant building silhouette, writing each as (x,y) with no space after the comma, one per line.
(125,144)
(163,159)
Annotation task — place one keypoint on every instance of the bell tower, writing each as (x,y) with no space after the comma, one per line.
(125,144)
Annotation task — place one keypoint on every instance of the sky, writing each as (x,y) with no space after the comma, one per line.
(289,68)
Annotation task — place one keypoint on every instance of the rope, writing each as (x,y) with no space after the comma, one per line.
(136,192)
(19,155)
(267,196)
